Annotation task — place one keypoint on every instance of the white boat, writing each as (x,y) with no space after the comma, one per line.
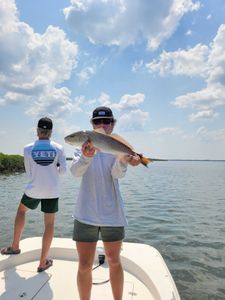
(146,276)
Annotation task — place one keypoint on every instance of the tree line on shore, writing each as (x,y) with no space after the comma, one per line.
(11,163)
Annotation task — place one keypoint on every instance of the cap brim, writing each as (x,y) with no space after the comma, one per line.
(44,128)
(96,118)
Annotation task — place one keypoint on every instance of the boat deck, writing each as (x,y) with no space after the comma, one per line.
(19,279)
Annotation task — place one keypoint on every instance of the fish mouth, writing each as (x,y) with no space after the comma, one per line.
(76,137)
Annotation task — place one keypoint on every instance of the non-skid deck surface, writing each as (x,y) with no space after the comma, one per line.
(59,282)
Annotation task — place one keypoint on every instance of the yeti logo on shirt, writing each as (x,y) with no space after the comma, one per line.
(43,154)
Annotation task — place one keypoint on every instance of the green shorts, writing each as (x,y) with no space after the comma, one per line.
(47,205)
(90,233)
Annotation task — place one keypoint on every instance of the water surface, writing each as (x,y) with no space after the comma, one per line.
(177,207)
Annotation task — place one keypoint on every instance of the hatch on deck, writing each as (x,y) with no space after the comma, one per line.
(16,284)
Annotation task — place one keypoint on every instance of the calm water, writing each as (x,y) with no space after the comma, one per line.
(177,207)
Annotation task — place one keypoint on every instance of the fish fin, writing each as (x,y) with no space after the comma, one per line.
(121,140)
(100,130)
(145,160)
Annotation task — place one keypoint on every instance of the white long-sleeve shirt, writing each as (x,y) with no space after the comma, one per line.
(44,160)
(99,200)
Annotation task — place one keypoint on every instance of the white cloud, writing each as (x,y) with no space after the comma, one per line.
(56,102)
(86,73)
(128,102)
(191,62)
(32,65)
(12,98)
(203,115)
(104,99)
(137,65)
(133,120)
(122,22)
(207,62)
(211,135)
(64,128)
(212,96)
(167,131)
(90,67)
(216,59)
(189,32)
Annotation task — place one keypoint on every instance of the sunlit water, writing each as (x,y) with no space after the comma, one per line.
(177,207)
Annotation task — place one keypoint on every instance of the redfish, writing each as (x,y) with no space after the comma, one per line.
(112,143)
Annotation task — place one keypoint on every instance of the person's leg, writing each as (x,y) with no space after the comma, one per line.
(112,252)
(19,225)
(49,219)
(86,254)
(49,207)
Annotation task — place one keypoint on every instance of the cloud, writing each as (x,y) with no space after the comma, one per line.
(137,65)
(104,99)
(209,97)
(191,62)
(207,62)
(216,59)
(167,131)
(203,115)
(211,135)
(85,74)
(90,66)
(33,66)
(56,102)
(122,22)
(133,120)
(128,102)
(189,32)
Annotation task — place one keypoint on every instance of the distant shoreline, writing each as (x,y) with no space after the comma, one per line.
(203,160)
(12,163)
(175,159)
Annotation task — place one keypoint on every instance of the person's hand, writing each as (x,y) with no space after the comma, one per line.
(133,160)
(88,149)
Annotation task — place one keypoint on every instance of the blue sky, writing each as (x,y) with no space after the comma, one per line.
(160,65)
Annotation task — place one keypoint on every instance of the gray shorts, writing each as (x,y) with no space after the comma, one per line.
(90,233)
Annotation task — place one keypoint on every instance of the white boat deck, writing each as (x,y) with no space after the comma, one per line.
(146,274)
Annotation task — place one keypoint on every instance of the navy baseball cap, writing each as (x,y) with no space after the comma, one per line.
(102,112)
(45,123)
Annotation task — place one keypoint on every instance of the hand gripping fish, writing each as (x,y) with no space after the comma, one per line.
(112,143)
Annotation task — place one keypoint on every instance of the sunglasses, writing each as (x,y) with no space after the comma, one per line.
(103,121)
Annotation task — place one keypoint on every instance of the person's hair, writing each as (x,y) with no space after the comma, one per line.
(44,132)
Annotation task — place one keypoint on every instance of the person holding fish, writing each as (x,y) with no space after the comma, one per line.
(99,209)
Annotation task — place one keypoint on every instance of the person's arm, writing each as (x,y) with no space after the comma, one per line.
(120,166)
(61,164)
(26,163)
(80,163)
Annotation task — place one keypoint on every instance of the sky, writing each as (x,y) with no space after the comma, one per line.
(159,65)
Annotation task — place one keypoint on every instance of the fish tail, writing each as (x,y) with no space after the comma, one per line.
(145,160)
